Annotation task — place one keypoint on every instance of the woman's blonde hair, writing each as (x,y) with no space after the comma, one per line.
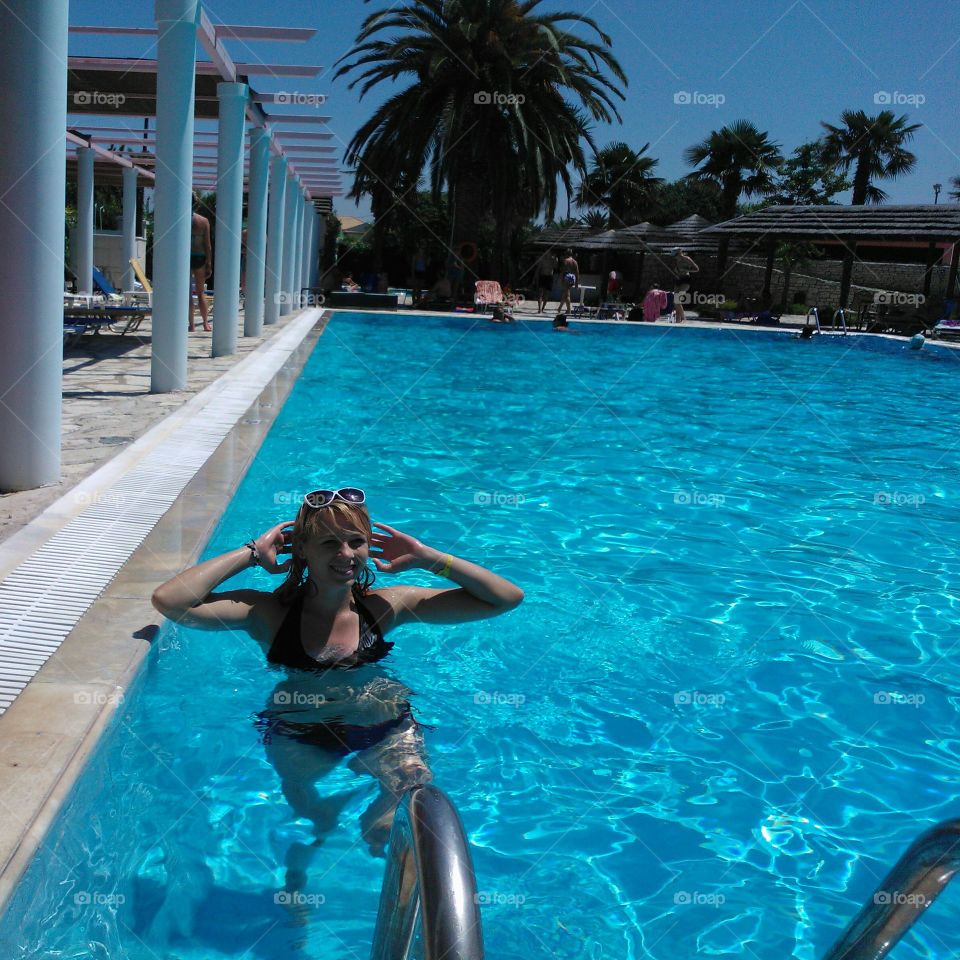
(312,523)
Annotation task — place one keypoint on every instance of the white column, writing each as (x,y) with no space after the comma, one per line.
(129,240)
(33,104)
(273,280)
(289,244)
(84,233)
(232,102)
(176,62)
(307,241)
(256,231)
(298,251)
(317,239)
(321,239)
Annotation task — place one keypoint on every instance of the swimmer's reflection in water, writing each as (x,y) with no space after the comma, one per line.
(325,626)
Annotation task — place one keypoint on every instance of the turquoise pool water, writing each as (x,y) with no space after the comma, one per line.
(727,705)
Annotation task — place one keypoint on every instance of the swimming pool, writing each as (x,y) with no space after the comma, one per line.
(726,706)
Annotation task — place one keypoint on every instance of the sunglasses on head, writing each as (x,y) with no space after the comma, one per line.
(323,498)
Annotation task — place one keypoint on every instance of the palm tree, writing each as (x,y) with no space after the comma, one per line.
(499,102)
(596,220)
(621,180)
(873,147)
(955,192)
(740,160)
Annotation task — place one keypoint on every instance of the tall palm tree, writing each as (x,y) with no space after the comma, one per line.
(621,180)
(740,160)
(955,192)
(500,96)
(873,147)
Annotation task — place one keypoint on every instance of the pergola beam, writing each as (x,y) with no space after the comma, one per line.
(203,67)
(223,32)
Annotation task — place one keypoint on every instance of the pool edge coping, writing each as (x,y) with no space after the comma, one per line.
(73,736)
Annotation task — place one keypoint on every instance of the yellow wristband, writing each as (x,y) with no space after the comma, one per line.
(446,568)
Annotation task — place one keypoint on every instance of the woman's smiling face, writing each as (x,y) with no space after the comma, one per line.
(337,551)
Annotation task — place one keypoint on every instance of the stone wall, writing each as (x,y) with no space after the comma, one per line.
(819,280)
(867,277)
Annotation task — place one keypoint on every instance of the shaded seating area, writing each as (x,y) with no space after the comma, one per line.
(851,230)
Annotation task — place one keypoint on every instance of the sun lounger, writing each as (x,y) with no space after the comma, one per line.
(488,294)
(144,282)
(78,320)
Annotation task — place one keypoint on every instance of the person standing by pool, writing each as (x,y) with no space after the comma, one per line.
(546,266)
(321,621)
(570,279)
(683,268)
(201,264)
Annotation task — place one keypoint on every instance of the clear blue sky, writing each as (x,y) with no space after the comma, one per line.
(783,65)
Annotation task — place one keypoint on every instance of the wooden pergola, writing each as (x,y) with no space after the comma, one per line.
(936,225)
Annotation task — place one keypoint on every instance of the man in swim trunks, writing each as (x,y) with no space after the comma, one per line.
(683,268)
(201,264)
(546,266)
(325,627)
(569,280)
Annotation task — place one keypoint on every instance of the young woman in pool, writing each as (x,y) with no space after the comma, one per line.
(327,627)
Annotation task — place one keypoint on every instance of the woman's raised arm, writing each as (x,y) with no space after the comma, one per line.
(188,597)
(481,594)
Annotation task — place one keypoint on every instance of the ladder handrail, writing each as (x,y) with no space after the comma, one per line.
(428,873)
(907,890)
(840,312)
(816,317)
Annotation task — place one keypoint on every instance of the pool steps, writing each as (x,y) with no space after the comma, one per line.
(916,880)
(428,877)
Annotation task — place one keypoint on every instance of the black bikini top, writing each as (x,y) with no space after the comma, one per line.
(287,647)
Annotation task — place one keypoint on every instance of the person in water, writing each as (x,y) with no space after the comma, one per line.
(325,627)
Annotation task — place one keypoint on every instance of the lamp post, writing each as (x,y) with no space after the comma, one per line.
(937,187)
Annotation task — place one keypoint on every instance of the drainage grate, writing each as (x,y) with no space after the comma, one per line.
(44,597)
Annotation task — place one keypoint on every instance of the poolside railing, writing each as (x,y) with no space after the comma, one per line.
(907,890)
(428,877)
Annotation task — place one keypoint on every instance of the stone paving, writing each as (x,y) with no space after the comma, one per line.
(107,405)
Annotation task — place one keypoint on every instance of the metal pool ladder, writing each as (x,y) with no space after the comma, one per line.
(815,313)
(907,890)
(429,876)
